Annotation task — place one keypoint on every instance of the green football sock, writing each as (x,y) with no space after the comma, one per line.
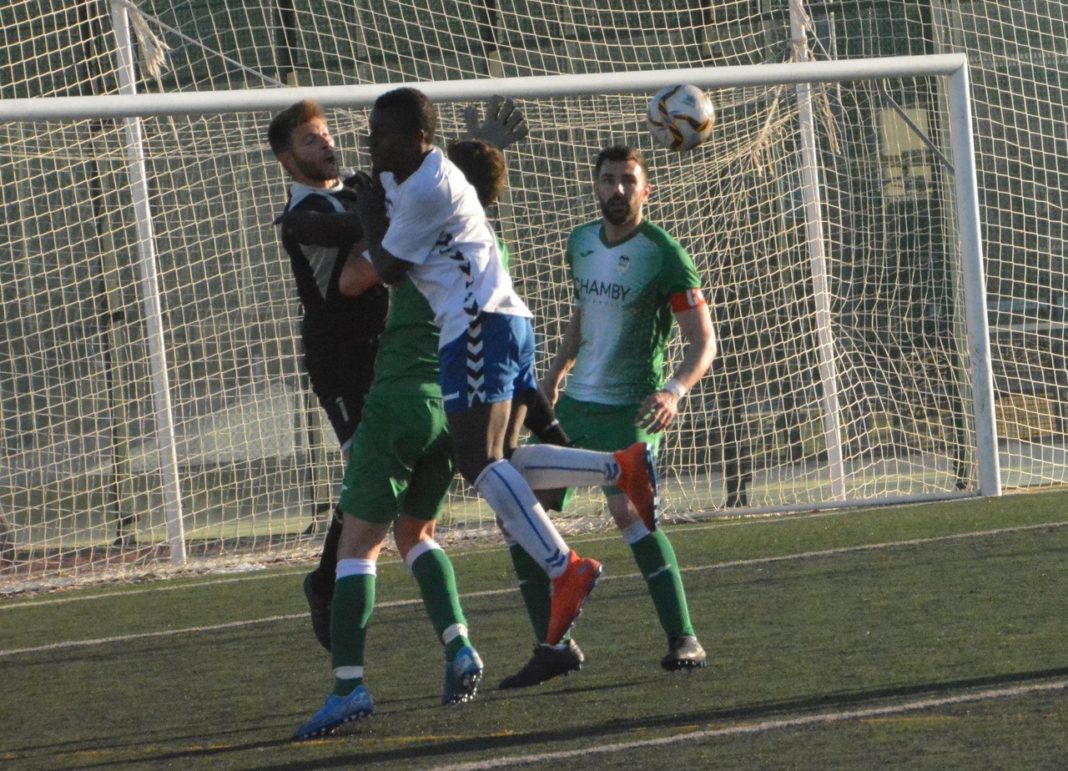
(658,564)
(350,613)
(534,588)
(437,585)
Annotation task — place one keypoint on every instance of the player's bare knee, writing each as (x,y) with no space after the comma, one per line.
(360,539)
(409,531)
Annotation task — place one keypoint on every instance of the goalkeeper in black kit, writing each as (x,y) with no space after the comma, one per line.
(339,334)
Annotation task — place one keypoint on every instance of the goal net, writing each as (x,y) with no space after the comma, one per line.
(154,407)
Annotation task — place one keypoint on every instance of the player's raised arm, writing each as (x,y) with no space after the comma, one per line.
(315,228)
(504,124)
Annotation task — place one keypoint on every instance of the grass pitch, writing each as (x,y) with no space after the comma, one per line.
(924,637)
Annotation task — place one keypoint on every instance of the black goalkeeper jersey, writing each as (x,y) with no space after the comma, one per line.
(339,334)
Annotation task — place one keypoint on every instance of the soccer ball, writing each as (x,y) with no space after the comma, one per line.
(681,117)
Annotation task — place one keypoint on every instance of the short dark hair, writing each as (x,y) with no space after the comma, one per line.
(280,132)
(483,165)
(619,153)
(413,108)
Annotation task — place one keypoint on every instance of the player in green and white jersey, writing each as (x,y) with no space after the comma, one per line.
(631,282)
(398,474)
(401,466)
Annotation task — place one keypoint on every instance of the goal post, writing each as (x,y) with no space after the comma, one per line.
(974,280)
(862,273)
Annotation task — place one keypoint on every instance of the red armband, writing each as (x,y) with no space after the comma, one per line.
(687,300)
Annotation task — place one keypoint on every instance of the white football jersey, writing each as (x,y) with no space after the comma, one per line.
(437,223)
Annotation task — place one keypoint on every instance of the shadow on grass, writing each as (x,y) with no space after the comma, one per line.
(348,752)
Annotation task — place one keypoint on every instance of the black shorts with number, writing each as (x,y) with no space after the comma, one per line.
(339,335)
(340,371)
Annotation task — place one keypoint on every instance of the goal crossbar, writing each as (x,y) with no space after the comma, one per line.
(237,100)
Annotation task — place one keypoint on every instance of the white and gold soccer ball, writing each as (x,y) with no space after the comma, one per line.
(681,117)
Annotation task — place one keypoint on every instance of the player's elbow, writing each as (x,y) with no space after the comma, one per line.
(702,351)
(351,284)
(394,273)
(390,269)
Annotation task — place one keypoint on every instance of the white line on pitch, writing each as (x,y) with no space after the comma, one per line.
(217,580)
(66,644)
(208,628)
(822,718)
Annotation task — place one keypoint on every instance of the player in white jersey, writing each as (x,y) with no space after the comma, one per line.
(424,220)
(632,282)
(400,467)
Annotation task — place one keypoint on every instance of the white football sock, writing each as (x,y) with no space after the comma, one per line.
(417,551)
(634,533)
(511,499)
(549,466)
(355,567)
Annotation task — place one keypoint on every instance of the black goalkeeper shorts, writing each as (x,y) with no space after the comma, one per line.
(343,412)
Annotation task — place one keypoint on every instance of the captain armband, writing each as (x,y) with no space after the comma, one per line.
(687,300)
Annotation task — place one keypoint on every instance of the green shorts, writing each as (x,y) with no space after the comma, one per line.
(604,427)
(400,460)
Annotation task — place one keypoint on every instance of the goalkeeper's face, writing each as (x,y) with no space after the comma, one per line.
(312,159)
(621,188)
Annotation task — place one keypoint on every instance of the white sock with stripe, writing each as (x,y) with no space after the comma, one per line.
(549,466)
(511,499)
